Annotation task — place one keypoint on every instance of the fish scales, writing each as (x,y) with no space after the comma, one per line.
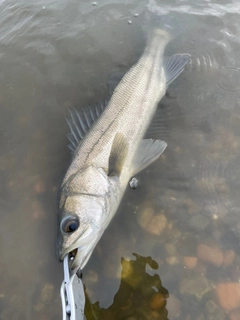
(113,150)
(143,87)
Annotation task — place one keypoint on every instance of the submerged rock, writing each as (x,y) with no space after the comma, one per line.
(157,301)
(234,315)
(228,295)
(228,258)
(45,297)
(39,187)
(194,284)
(170,249)
(212,255)
(190,262)
(173,307)
(152,223)
(214,311)
(198,222)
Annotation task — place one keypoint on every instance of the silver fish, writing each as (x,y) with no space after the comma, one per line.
(108,149)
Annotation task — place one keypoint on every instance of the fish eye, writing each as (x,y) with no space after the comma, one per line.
(70,225)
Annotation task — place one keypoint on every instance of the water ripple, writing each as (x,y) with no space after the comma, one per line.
(204,9)
(204,61)
(229,80)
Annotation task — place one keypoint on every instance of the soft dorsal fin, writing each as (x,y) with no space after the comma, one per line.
(81,121)
(148,151)
(174,65)
(159,126)
(117,155)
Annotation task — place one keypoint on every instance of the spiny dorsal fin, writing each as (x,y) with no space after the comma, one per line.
(117,155)
(174,65)
(114,80)
(148,151)
(81,121)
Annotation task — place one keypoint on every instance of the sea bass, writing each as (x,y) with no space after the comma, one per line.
(108,149)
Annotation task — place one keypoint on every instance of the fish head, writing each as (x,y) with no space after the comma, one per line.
(85,209)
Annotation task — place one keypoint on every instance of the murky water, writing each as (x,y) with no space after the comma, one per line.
(185,213)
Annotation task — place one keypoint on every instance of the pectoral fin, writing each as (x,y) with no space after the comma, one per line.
(118,155)
(148,151)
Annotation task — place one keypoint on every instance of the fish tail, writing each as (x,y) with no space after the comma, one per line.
(157,32)
(157,41)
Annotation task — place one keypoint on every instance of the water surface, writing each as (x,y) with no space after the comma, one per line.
(54,55)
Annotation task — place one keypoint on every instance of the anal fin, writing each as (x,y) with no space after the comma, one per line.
(148,151)
(174,65)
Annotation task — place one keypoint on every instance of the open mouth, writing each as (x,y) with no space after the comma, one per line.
(74,257)
(78,244)
(79,257)
(80,252)
(73,253)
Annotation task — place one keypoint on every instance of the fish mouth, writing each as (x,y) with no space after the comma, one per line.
(80,252)
(81,257)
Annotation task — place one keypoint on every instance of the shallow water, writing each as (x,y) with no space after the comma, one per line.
(54,55)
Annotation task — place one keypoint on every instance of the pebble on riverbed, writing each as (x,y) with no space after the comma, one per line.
(170,249)
(172,260)
(152,223)
(39,187)
(37,211)
(192,207)
(214,312)
(190,262)
(45,297)
(194,284)
(173,307)
(234,315)
(212,255)
(198,222)
(228,258)
(215,256)
(228,295)
(157,301)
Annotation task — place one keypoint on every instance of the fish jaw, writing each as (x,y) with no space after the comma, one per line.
(87,202)
(92,217)
(82,249)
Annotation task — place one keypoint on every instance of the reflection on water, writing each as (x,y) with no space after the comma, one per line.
(185,211)
(140,295)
